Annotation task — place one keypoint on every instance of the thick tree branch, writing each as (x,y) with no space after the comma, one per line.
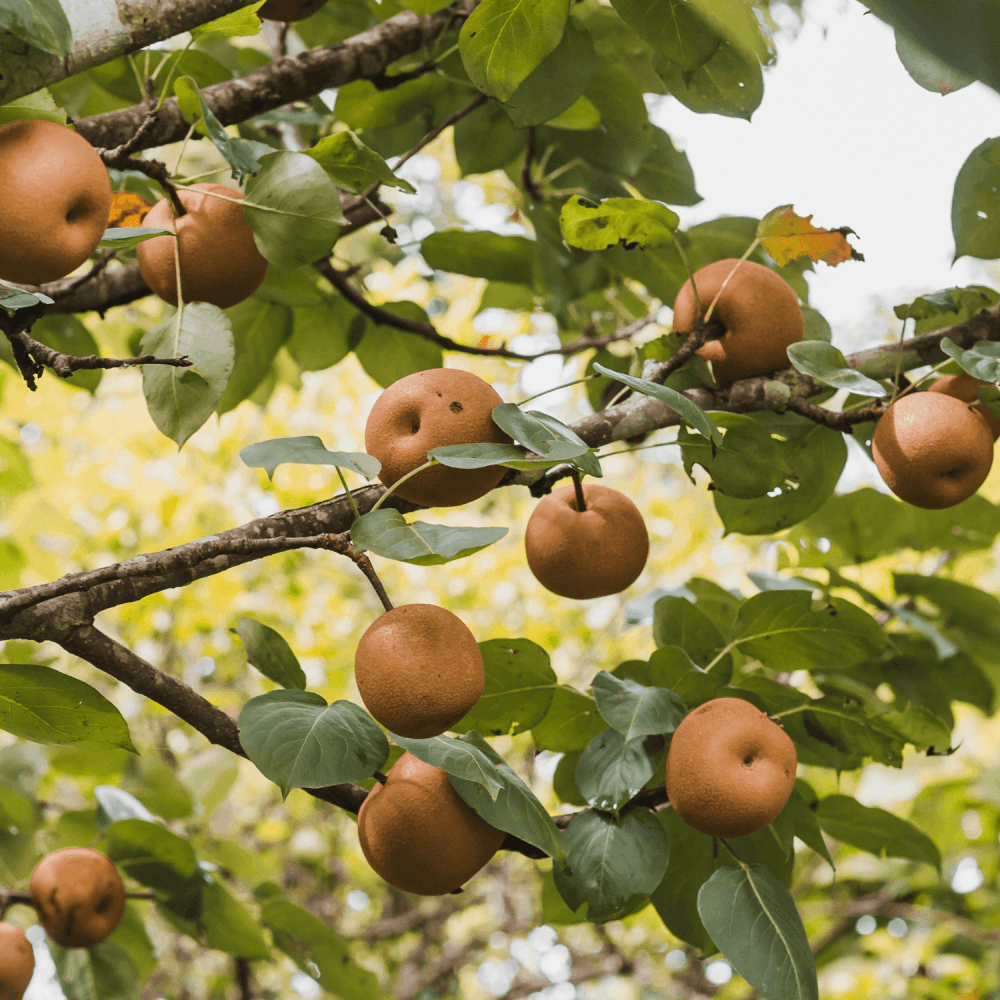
(283,81)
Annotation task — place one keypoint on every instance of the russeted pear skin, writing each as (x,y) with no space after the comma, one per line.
(760,311)
(417,833)
(966,388)
(419,670)
(17,962)
(730,769)
(55,199)
(289,10)
(430,409)
(592,553)
(932,450)
(220,262)
(79,896)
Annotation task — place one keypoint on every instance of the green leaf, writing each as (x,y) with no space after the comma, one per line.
(671,667)
(180,400)
(828,365)
(580,116)
(46,706)
(729,84)
(752,918)
(628,221)
(487,140)
(611,862)
(259,330)
(571,722)
(229,926)
(293,208)
(673,27)
(66,334)
(780,627)
(240,23)
(479,456)
(352,165)
(386,532)
(875,830)
(240,154)
(13,299)
(143,849)
(503,41)
(611,770)
(481,254)
(321,333)
(975,204)
(556,83)
(268,651)
(666,173)
(692,414)
(129,236)
(41,23)
(634,709)
(114,804)
(748,463)
(735,22)
(982,361)
(317,950)
(816,456)
(361,106)
(564,779)
(520,683)
(514,809)
(39,104)
(926,69)
(678,622)
(804,821)
(539,432)
(297,740)
(388,354)
(460,758)
(307,450)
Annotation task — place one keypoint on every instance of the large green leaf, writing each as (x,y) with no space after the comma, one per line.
(634,709)
(299,741)
(150,853)
(666,173)
(781,628)
(673,27)
(259,329)
(975,204)
(293,208)
(875,830)
(611,770)
(670,667)
(520,683)
(729,84)
(41,23)
(678,622)
(571,722)
(628,221)
(310,450)
(459,758)
(321,333)
(352,165)
(487,140)
(270,653)
(47,706)
(556,83)
(503,41)
(611,862)
(317,950)
(752,917)
(828,365)
(180,400)
(816,456)
(481,255)
(387,533)
(388,354)
(229,926)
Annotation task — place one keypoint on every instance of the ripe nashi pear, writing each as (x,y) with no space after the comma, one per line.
(419,670)
(966,388)
(426,410)
(932,450)
(730,769)
(417,833)
(17,962)
(760,311)
(55,201)
(220,262)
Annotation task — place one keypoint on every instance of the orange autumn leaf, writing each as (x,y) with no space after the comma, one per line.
(127,209)
(787,236)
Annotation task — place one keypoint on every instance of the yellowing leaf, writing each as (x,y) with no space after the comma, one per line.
(787,236)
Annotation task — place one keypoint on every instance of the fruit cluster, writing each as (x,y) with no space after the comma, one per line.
(79,898)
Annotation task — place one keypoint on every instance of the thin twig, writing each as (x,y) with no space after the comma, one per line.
(365,565)
(528,183)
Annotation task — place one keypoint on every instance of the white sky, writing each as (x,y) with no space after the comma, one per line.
(846,135)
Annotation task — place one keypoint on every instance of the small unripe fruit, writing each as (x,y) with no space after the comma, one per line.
(79,896)
(730,769)
(55,201)
(592,553)
(430,409)
(419,670)
(932,450)
(220,262)
(760,311)
(417,833)
(17,962)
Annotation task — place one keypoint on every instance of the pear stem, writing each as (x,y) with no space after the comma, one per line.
(581,504)
(380,777)
(365,565)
